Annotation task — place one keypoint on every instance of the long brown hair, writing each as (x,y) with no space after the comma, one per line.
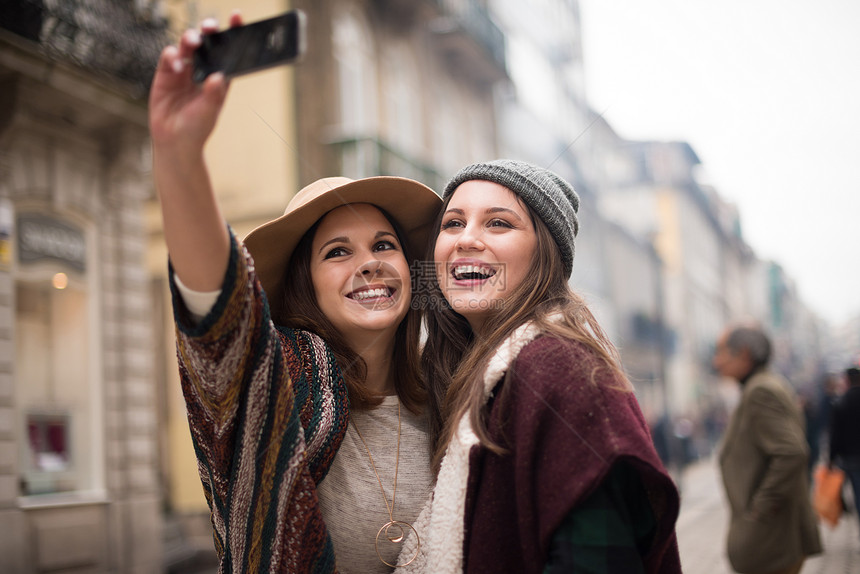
(455,357)
(301,311)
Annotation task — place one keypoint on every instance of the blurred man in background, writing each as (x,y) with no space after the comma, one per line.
(845,433)
(763,462)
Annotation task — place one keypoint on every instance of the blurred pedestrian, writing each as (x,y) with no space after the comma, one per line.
(809,405)
(660,432)
(845,433)
(763,462)
(830,391)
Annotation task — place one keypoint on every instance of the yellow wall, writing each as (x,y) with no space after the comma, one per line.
(668,240)
(252,154)
(253,165)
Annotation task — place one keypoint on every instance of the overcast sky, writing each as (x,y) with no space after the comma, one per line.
(768,95)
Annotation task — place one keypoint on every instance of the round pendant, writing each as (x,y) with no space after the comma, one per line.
(398,536)
(395,532)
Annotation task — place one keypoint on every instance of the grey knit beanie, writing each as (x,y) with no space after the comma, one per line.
(548,195)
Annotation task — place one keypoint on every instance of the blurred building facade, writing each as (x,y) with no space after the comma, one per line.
(78,449)
(661,257)
(544,117)
(844,345)
(665,203)
(397,87)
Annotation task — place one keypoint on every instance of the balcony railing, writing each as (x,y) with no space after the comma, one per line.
(471,17)
(367,156)
(107,37)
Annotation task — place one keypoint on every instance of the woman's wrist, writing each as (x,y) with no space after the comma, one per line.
(178,157)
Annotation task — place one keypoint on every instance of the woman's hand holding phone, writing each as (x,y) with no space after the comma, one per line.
(182,114)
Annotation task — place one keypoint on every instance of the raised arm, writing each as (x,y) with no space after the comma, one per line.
(182,115)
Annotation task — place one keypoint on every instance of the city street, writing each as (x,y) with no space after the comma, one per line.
(702,529)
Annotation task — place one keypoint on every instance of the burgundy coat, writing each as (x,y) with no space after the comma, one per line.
(564,430)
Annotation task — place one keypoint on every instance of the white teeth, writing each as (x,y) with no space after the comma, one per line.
(370,293)
(460,270)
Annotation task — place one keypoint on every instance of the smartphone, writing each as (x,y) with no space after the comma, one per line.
(252,47)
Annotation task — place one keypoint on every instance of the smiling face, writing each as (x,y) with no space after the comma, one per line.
(484,249)
(359,273)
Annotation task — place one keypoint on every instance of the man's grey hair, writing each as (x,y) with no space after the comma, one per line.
(754,341)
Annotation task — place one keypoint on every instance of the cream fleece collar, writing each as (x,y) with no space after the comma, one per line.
(440,524)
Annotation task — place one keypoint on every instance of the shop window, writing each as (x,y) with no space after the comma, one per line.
(56,393)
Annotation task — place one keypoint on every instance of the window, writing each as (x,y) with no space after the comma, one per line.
(356,70)
(54,374)
(402,102)
(353,52)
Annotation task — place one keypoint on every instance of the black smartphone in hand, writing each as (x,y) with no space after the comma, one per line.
(252,47)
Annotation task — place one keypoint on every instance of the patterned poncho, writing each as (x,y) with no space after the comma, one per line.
(267,409)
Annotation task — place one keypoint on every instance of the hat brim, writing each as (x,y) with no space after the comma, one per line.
(412,205)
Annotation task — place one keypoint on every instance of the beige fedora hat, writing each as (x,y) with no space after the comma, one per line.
(411,204)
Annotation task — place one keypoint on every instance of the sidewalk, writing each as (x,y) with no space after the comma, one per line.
(703,521)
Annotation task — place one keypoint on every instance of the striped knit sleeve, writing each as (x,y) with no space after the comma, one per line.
(247,432)
(321,396)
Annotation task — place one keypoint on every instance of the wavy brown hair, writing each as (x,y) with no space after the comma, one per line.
(301,311)
(455,357)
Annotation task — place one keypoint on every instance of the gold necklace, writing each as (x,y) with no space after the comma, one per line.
(402,527)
